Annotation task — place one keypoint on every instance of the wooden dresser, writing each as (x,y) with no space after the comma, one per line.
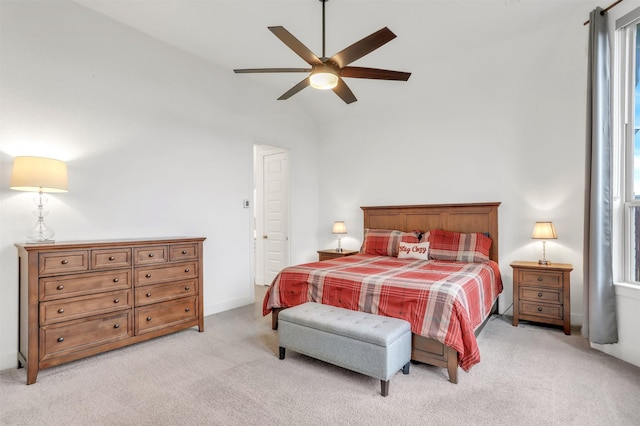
(541,293)
(82,298)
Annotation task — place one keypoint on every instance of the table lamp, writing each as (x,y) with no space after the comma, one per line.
(339,228)
(37,174)
(544,231)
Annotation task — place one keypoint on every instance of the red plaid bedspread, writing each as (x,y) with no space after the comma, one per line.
(442,300)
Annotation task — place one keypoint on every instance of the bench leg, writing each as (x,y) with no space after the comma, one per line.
(384,387)
(405,369)
(281,352)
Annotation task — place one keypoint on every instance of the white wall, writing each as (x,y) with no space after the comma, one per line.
(157,142)
(494,120)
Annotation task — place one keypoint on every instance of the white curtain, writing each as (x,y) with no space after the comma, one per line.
(600,324)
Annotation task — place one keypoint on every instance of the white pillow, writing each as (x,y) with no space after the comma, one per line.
(413,251)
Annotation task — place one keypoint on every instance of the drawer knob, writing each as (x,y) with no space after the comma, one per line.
(186,270)
(148,275)
(61,311)
(187,309)
(148,294)
(116,301)
(115,280)
(64,262)
(116,326)
(112,258)
(539,278)
(539,309)
(184,252)
(60,339)
(187,288)
(148,318)
(60,287)
(151,254)
(540,294)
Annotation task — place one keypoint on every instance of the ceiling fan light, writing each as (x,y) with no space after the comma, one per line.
(323,80)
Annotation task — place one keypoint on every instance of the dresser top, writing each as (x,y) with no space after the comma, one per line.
(66,245)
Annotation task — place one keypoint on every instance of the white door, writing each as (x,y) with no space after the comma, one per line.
(272,245)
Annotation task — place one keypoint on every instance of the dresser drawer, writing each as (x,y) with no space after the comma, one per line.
(161,315)
(159,274)
(73,336)
(183,252)
(63,262)
(540,278)
(110,258)
(542,310)
(541,295)
(75,285)
(84,306)
(161,292)
(150,255)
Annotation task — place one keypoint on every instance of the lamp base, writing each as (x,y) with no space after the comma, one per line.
(543,262)
(40,241)
(338,250)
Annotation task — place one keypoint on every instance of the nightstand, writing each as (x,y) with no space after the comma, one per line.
(332,254)
(541,293)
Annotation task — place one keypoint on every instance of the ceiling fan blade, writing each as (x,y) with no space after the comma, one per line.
(296,45)
(344,92)
(360,48)
(295,89)
(263,70)
(374,73)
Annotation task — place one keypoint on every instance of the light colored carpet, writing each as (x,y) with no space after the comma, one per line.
(231,374)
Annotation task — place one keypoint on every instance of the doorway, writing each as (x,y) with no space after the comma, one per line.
(271,212)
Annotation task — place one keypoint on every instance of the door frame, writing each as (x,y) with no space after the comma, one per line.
(260,151)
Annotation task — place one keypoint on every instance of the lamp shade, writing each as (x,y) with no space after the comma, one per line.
(39,174)
(544,231)
(339,227)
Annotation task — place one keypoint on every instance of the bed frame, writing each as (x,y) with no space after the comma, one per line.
(474,217)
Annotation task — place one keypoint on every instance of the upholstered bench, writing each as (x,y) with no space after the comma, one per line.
(373,345)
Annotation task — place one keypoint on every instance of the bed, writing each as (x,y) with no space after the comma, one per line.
(447,302)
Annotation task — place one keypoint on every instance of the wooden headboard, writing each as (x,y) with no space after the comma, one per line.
(473,217)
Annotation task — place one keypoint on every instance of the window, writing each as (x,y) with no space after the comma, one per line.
(626,136)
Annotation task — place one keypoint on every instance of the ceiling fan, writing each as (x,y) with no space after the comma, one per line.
(327,73)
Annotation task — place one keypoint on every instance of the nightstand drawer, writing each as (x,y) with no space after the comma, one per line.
(541,295)
(541,310)
(540,278)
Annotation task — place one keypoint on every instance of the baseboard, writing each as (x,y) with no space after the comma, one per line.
(228,305)
(620,351)
(8,361)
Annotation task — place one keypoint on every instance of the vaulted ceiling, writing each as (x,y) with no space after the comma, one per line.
(431,36)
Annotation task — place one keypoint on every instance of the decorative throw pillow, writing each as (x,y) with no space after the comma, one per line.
(384,242)
(413,251)
(447,245)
